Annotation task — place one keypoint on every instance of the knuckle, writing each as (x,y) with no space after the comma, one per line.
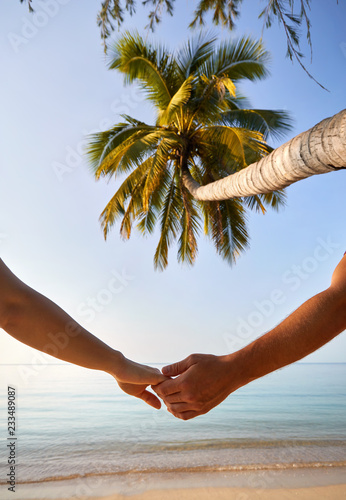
(199,407)
(189,397)
(184,387)
(163,391)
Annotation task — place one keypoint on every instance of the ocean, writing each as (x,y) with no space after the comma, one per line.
(72,422)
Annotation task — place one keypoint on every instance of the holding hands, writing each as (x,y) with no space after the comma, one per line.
(134,378)
(201,381)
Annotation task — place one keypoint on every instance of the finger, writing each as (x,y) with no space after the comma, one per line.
(150,399)
(167,388)
(186,415)
(180,407)
(177,368)
(174,398)
(157,378)
(151,375)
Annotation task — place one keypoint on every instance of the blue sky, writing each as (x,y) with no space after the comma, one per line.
(55,89)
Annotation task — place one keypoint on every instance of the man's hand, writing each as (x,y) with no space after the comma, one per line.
(134,378)
(204,381)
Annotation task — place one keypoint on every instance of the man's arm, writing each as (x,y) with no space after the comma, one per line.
(36,321)
(204,381)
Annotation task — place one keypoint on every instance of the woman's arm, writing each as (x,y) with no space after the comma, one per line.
(38,322)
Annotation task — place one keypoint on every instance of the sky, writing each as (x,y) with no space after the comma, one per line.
(55,89)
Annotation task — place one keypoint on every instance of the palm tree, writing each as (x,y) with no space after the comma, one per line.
(203,127)
(319,150)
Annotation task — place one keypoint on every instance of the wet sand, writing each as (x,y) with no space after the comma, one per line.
(315,484)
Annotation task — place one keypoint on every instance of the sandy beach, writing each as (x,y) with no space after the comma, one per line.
(322,483)
(334,492)
(320,493)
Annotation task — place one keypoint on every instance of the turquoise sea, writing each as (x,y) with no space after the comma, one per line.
(72,422)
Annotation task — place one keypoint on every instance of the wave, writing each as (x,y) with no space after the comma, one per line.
(222,444)
(206,455)
(227,468)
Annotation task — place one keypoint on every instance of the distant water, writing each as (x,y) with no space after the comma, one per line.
(73,422)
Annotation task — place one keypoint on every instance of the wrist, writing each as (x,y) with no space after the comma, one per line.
(115,365)
(237,369)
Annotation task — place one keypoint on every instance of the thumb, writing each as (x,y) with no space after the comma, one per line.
(177,368)
(150,399)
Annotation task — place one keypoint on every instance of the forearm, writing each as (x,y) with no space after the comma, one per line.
(36,321)
(312,325)
(204,381)
(39,323)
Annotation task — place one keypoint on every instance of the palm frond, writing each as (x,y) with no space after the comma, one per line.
(235,139)
(150,65)
(160,162)
(227,221)
(180,98)
(129,153)
(104,147)
(190,228)
(207,102)
(194,53)
(225,13)
(238,59)
(99,144)
(275,200)
(132,212)
(169,225)
(148,216)
(268,122)
(116,207)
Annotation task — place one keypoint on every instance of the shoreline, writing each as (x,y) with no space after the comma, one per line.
(306,483)
(190,470)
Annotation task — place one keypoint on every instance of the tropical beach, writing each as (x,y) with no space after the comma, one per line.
(265,438)
(192,486)
(165,256)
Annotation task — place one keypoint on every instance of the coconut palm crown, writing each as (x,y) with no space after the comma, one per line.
(203,127)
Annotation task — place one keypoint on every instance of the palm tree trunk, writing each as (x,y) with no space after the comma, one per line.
(319,150)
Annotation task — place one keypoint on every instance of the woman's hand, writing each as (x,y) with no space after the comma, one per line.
(134,378)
